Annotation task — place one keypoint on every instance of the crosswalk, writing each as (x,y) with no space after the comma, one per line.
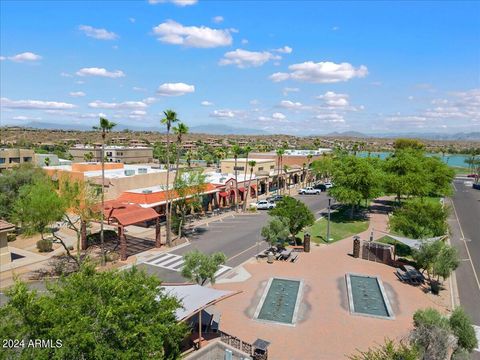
(175,262)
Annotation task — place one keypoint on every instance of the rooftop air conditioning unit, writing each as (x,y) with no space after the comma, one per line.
(146,191)
(142,170)
(129,172)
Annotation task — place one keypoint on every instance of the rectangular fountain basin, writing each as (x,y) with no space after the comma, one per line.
(280,301)
(367,296)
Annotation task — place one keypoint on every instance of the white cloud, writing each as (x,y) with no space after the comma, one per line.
(333,99)
(137,88)
(2,58)
(23,57)
(171,32)
(223,113)
(278,116)
(77,94)
(244,58)
(218,19)
(35,104)
(64,74)
(290,104)
(244,41)
(102,72)
(206,103)
(176,2)
(97,104)
(330,118)
(149,100)
(321,72)
(25,118)
(175,89)
(137,114)
(100,34)
(287,90)
(284,50)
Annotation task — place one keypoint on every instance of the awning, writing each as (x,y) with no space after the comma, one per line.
(195,298)
(223,194)
(242,189)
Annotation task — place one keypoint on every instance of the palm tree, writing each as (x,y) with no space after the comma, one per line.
(236,150)
(309,159)
(169,119)
(280,153)
(247,149)
(251,164)
(285,169)
(88,156)
(179,130)
(104,127)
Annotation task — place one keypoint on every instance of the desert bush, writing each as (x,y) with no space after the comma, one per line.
(45,245)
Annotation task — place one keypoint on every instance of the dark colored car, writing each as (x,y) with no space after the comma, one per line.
(275,198)
(321,187)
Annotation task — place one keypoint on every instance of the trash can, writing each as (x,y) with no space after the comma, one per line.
(270,257)
(306,242)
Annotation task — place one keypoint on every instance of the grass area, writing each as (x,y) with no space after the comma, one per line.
(401,250)
(461,170)
(341,226)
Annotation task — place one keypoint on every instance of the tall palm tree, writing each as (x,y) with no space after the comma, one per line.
(169,119)
(286,176)
(309,159)
(247,149)
(251,164)
(280,153)
(104,126)
(236,150)
(179,130)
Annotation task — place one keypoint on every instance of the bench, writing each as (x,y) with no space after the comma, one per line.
(297,248)
(294,258)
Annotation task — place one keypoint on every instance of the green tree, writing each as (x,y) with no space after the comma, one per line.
(389,351)
(356,179)
(462,327)
(276,231)
(200,267)
(180,130)
(439,175)
(419,219)
(96,315)
(414,144)
(88,156)
(280,152)
(38,206)
(295,212)
(189,186)
(323,167)
(169,119)
(104,126)
(11,181)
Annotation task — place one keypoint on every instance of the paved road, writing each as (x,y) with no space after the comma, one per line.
(464,223)
(238,237)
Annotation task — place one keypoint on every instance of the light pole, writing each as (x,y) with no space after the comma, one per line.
(328,222)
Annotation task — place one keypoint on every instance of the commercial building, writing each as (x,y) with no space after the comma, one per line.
(262,166)
(115,154)
(292,158)
(11,157)
(50,160)
(118,177)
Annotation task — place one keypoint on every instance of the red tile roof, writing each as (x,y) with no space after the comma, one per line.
(6,226)
(128,214)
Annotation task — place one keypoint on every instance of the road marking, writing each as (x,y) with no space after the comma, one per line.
(175,262)
(240,253)
(465,243)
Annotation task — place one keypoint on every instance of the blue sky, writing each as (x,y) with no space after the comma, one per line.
(280,67)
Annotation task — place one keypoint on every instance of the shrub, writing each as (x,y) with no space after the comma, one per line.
(11,237)
(462,328)
(44,245)
(108,235)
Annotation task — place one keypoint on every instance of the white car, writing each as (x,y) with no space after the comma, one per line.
(309,191)
(328,185)
(265,205)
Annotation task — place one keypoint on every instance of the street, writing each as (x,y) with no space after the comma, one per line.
(238,237)
(464,222)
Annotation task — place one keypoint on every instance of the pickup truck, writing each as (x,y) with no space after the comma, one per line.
(309,191)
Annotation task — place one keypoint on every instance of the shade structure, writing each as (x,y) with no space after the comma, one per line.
(128,214)
(195,298)
(413,243)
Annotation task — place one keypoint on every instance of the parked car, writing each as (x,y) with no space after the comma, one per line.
(309,191)
(472,176)
(275,198)
(320,187)
(265,205)
(328,185)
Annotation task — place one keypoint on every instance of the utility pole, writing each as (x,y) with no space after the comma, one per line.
(328,222)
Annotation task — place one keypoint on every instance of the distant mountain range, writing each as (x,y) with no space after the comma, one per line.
(221,129)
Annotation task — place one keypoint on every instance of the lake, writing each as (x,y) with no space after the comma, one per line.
(456,160)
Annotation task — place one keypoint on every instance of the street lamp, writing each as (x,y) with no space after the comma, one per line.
(328,222)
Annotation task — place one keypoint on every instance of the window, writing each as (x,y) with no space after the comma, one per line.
(15,160)
(239,168)
(27,159)
(272,166)
(260,168)
(2,160)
